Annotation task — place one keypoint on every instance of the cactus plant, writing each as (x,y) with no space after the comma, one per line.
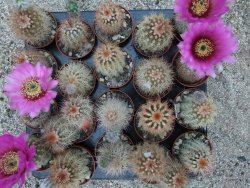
(76,79)
(75,38)
(113,136)
(79,112)
(33,25)
(113,158)
(156,119)
(195,109)
(57,135)
(37,122)
(175,175)
(148,162)
(114,114)
(109,18)
(70,169)
(153,77)
(110,60)
(194,152)
(43,156)
(179,26)
(154,35)
(183,73)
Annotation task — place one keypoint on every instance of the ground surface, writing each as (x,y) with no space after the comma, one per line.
(231,90)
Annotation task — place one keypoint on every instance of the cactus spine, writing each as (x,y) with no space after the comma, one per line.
(109,18)
(153,77)
(69,169)
(154,34)
(110,60)
(156,118)
(32,25)
(148,162)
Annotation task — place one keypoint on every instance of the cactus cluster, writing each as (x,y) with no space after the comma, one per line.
(74,34)
(32,25)
(156,118)
(37,122)
(43,156)
(154,34)
(153,77)
(76,79)
(110,60)
(175,175)
(149,162)
(70,169)
(194,153)
(109,18)
(57,135)
(113,158)
(183,73)
(78,112)
(195,109)
(113,114)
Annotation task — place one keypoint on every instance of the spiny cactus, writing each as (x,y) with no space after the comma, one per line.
(154,34)
(113,136)
(110,60)
(113,158)
(185,74)
(76,79)
(57,135)
(69,169)
(175,175)
(195,109)
(156,118)
(32,25)
(43,156)
(109,18)
(78,112)
(37,122)
(114,114)
(153,77)
(194,153)
(74,34)
(148,162)
(179,26)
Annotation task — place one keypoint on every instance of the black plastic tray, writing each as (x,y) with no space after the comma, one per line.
(137,15)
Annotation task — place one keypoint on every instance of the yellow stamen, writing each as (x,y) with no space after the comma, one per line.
(9,163)
(203,48)
(32,89)
(199,8)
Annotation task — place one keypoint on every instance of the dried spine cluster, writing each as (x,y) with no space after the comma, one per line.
(156,118)
(110,60)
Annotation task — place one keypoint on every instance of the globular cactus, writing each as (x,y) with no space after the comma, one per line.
(74,34)
(185,74)
(57,135)
(179,26)
(32,25)
(153,77)
(195,109)
(194,153)
(154,34)
(75,79)
(79,112)
(113,158)
(109,18)
(114,114)
(156,118)
(43,155)
(110,60)
(33,57)
(37,122)
(69,169)
(175,175)
(113,136)
(148,162)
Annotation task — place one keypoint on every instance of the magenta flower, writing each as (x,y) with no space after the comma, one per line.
(16,160)
(205,45)
(201,10)
(29,89)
